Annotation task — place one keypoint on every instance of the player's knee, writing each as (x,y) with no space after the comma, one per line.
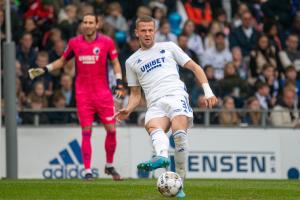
(110,128)
(87,128)
(180,140)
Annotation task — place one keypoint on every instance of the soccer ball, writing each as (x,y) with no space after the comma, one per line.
(169,184)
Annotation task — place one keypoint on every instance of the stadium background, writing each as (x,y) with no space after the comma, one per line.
(250,52)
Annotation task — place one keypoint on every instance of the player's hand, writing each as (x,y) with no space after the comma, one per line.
(211,101)
(35,72)
(122,114)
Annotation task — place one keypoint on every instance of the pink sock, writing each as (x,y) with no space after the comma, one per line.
(86,148)
(110,146)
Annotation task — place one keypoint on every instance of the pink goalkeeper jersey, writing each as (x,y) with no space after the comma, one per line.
(91,64)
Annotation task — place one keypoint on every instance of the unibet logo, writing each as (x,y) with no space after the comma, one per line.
(68,164)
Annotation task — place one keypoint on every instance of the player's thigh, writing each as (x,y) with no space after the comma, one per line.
(105,112)
(158,123)
(85,113)
(180,113)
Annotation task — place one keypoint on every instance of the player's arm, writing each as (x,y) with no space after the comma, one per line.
(133,102)
(201,77)
(57,64)
(119,90)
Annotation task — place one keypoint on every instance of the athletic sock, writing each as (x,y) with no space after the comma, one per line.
(160,142)
(86,148)
(110,146)
(181,152)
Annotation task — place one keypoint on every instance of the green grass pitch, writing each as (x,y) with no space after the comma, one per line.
(198,189)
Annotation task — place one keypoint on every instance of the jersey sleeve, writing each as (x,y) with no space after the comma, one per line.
(179,55)
(131,76)
(69,52)
(112,51)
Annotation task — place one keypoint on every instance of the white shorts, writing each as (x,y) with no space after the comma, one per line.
(170,106)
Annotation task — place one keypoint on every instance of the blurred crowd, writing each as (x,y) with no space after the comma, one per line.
(249,49)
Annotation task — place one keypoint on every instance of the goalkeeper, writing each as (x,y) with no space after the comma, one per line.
(93,95)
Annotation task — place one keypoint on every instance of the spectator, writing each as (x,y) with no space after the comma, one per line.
(262,54)
(244,36)
(104,27)
(221,18)
(25,52)
(67,90)
(131,46)
(43,12)
(100,6)
(194,40)
(164,34)
(31,27)
(285,113)
(291,76)
(271,29)
(217,56)
(37,98)
(186,75)
(158,13)
(263,95)
(41,61)
(239,62)
(232,84)
(213,82)
(270,76)
(49,39)
(115,17)
(209,40)
(200,13)
(237,19)
(291,55)
(59,117)
(254,116)
(228,117)
(68,21)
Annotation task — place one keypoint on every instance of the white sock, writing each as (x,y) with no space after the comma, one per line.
(88,171)
(181,152)
(160,142)
(108,165)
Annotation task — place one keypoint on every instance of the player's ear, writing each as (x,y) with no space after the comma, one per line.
(136,33)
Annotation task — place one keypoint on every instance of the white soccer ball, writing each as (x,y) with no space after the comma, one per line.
(169,184)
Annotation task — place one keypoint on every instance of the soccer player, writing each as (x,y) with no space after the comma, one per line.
(92,91)
(154,68)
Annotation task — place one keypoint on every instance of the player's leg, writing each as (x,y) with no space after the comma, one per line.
(110,148)
(157,125)
(105,112)
(179,131)
(86,118)
(181,120)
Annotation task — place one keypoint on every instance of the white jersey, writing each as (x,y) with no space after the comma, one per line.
(156,71)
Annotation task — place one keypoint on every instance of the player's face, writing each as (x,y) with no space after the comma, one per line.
(145,31)
(89,25)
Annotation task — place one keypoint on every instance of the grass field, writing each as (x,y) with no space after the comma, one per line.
(146,189)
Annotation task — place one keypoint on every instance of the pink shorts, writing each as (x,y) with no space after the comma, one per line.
(88,107)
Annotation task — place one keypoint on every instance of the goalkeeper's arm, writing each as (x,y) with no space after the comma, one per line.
(119,89)
(57,64)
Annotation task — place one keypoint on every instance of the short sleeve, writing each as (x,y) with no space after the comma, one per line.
(69,52)
(112,51)
(131,76)
(179,55)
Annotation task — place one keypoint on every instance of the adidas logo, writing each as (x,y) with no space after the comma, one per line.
(68,164)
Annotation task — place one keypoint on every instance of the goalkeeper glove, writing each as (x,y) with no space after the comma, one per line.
(119,89)
(34,72)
